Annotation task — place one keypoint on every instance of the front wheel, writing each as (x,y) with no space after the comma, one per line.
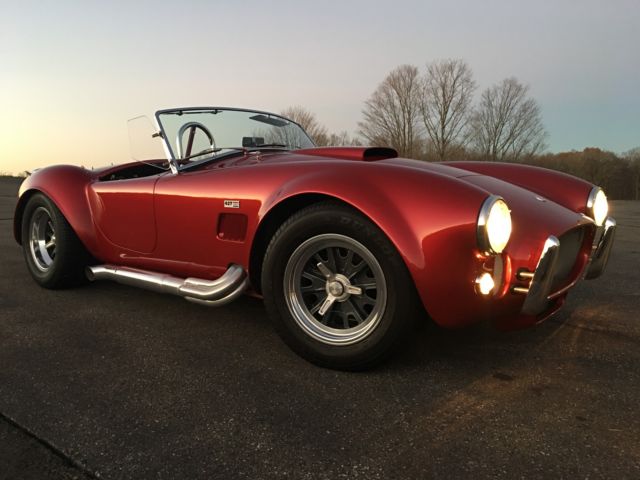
(336,288)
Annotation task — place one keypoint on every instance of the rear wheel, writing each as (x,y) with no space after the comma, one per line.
(55,256)
(336,288)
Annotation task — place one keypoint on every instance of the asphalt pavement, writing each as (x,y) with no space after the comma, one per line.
(107,381)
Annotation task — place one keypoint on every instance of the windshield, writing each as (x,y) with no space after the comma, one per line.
(197,133)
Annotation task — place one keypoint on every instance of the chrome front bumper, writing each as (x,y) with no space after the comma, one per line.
(540,287)
(601,250)
(539,293)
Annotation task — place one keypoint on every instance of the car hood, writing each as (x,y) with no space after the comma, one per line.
(531,213)
(528,208)
(384,156)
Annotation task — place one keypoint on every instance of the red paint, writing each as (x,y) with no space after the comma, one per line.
(179,224)
(232,227)
(123,211)
(559,187)
(367,154)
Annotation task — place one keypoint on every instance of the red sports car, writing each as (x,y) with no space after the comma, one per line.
(346,245)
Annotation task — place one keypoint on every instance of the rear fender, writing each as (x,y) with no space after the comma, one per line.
(66,186)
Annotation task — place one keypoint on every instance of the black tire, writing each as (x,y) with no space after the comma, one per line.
(64,267)
(330,221)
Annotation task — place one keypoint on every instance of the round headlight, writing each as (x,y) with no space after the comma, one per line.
(494,225)
(598,206)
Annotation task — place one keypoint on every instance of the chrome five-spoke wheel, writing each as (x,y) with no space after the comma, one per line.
(42,239)
(335,289)
(55,256)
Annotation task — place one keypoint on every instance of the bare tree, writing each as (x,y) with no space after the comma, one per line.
(448,88)
(308,121)
(391,114)
(507,125)
(633,157)
(343,139)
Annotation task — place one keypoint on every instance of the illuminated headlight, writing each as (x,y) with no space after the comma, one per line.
(598,206)
(494,225)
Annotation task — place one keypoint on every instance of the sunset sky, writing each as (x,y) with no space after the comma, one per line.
(73,72)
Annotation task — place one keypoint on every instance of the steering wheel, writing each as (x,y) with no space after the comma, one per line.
(192,127)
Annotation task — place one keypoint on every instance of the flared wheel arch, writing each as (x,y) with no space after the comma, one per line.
(278,214)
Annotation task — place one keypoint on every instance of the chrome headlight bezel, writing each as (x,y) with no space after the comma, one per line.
(491,207)
(597,206)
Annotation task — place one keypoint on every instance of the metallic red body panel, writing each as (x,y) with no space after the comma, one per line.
(351,153)
(171,223)
(123,212)
(66,185)
(232,227)
(568,191)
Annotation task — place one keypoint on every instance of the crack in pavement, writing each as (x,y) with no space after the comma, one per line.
(52,448)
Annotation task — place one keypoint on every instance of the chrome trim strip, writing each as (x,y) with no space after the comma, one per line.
(524,275)
(209,292)
(600,255)
(173,163)
(539,289)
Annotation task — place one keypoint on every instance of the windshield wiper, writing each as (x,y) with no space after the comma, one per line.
(278,145)
(232,151)
(219,149)
(210,150)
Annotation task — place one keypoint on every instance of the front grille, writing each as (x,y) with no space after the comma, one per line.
(570,245)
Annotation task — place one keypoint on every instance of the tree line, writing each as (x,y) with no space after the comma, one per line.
(432,116)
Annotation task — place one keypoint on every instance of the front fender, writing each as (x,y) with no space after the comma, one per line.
(430,218)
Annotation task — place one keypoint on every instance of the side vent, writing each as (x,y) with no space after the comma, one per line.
(232,227)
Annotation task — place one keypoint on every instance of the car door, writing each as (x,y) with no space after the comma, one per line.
(203,221)
(123,211)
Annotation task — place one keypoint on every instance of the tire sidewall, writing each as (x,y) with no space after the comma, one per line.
(67,268)
(34,203)
(343,221)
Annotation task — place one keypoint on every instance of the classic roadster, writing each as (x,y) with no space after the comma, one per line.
(347,246)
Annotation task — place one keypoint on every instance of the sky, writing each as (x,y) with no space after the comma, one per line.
(73,72)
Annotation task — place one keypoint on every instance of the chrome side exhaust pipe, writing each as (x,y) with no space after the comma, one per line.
(213,293)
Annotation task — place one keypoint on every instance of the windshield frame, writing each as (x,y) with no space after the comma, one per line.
(173,161)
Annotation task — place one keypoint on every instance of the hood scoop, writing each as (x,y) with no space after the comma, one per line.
(363,154)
